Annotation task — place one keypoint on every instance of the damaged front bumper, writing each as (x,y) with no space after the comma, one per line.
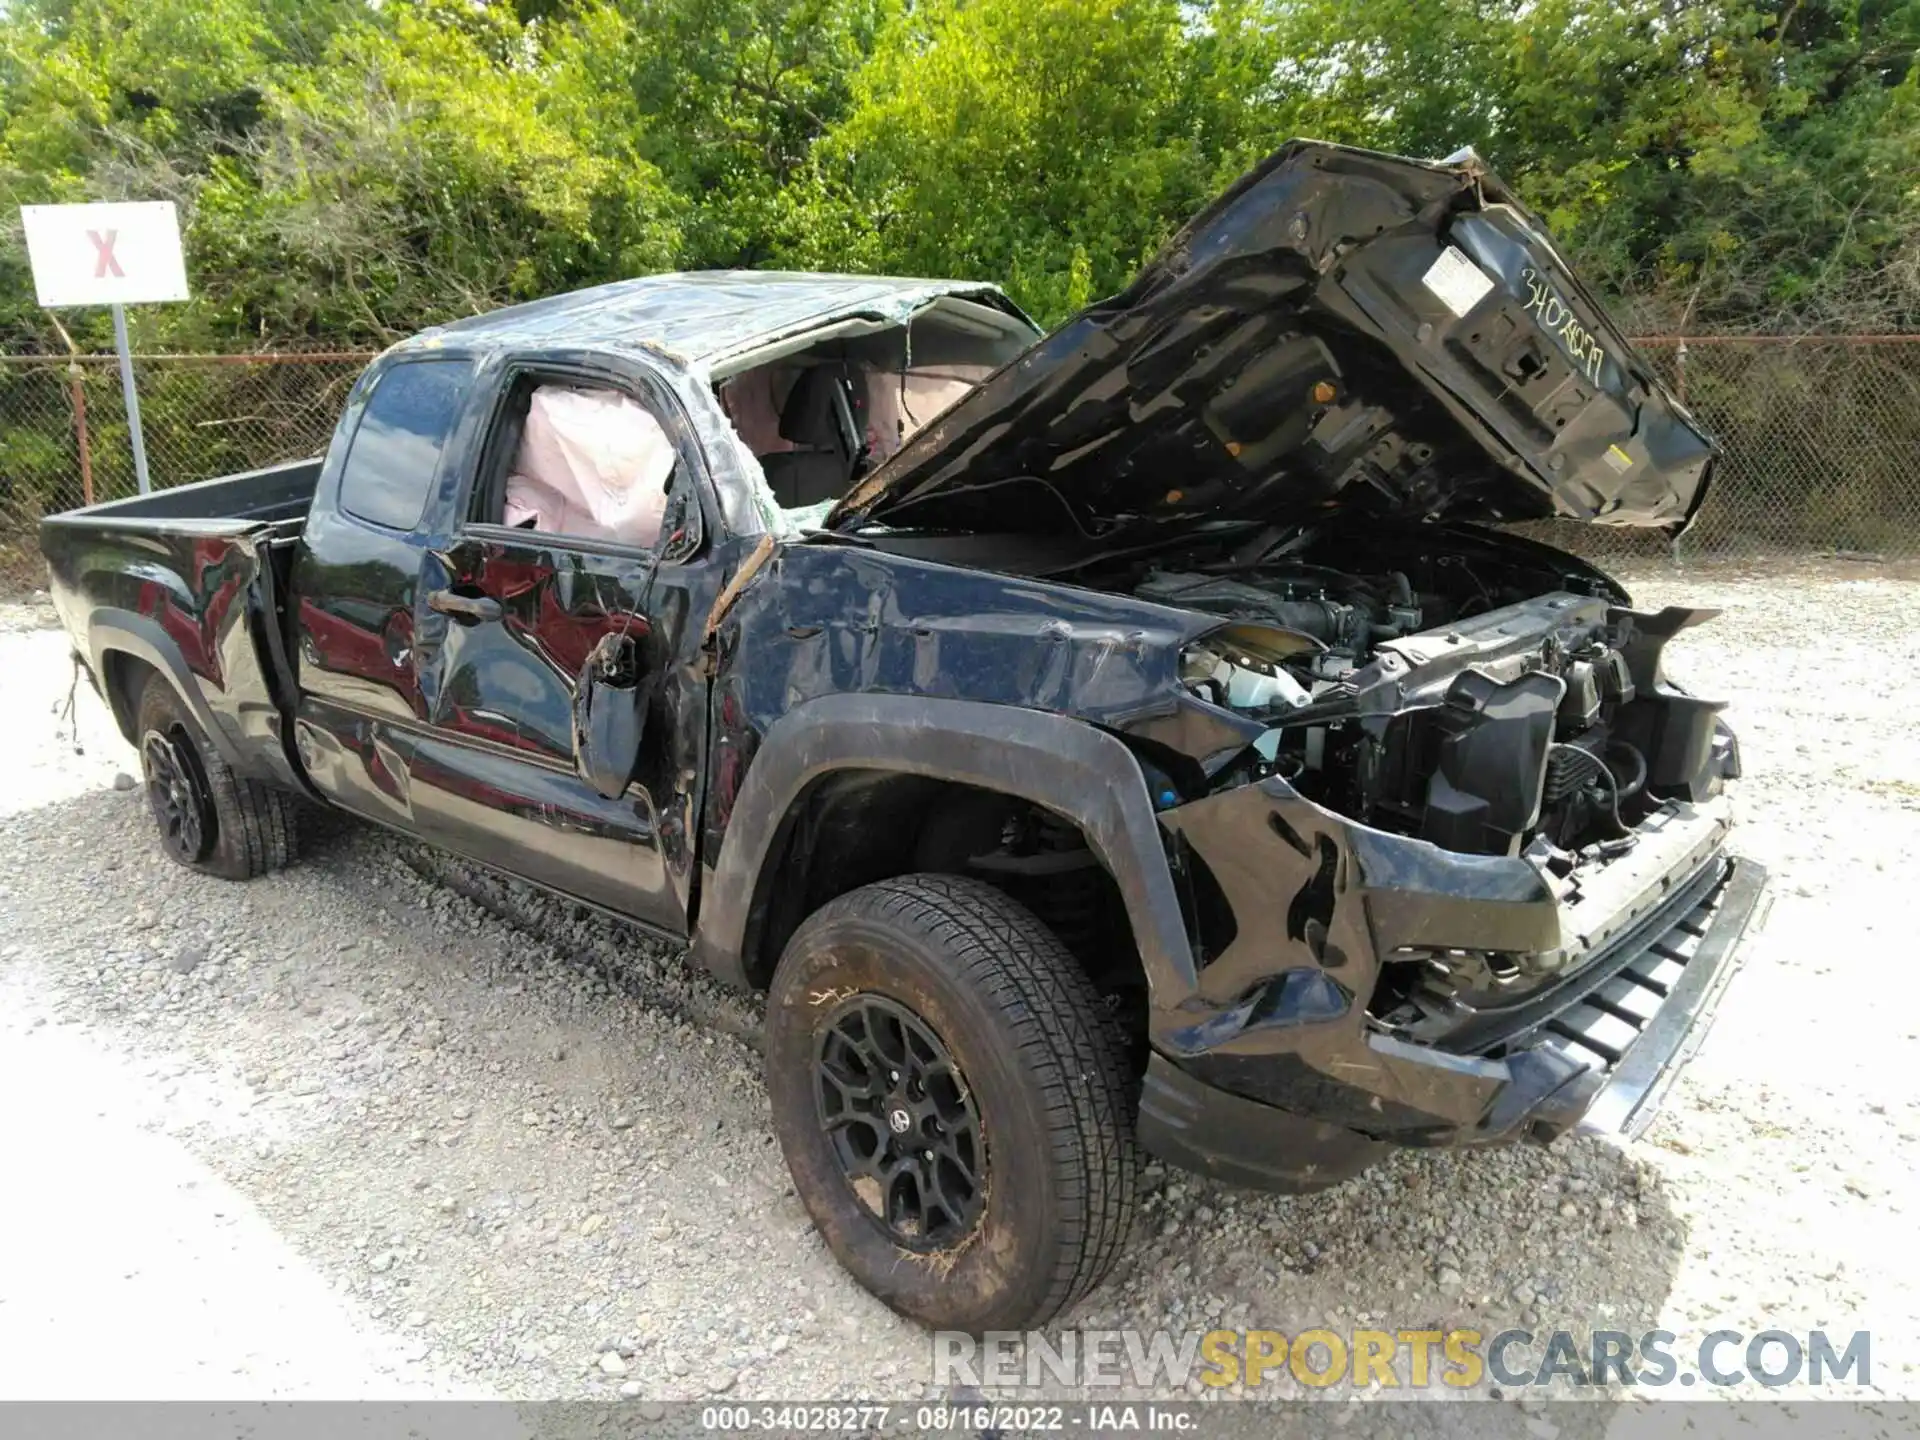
(1273,1074)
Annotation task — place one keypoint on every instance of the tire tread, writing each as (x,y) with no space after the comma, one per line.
(258,825)
(1065,1039)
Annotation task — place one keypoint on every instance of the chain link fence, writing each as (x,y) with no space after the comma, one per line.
(1821,434)
(1821,448)
(64,439)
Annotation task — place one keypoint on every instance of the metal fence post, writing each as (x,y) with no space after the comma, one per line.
(1680,388)
(75,377)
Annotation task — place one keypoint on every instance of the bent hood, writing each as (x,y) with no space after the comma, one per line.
(1340,330)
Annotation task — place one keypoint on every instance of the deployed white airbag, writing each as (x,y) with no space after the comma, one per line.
(591,463)
(899,405)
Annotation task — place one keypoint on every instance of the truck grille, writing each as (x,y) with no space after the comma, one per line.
(1646,1016)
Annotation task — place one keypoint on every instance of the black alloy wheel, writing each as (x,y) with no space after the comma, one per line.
(209,819)
(178,793)
(954,1102)
(902,1123)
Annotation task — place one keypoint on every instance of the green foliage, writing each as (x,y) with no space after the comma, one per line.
(1047,143)
(351,171)
(439,165)
(734,95)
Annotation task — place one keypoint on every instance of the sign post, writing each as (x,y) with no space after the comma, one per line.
(117,254)
(132,397)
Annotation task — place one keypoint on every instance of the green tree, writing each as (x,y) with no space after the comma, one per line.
(1711,161)
(430,166)
(346,181)
(348,171)
(734,95)
(1051,144)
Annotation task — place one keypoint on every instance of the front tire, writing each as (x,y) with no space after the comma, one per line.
(209,819)
(953,1101)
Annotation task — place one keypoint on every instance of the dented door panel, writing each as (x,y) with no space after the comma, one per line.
(498,756)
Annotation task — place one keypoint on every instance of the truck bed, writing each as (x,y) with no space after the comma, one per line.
(278,493)
(191,582)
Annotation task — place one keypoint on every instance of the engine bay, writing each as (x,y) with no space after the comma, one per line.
(1492,697)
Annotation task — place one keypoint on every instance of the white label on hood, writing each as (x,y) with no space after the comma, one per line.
(1458,282)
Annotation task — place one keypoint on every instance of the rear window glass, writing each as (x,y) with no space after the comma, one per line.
(396,451)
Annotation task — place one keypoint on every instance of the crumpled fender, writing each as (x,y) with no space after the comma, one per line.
(1062,764)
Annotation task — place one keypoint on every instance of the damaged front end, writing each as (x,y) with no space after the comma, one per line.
(1453,848)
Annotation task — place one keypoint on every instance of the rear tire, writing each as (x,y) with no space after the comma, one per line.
(210,820)
(953,1102)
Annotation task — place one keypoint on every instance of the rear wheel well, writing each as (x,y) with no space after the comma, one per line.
(850,828)
(123,677)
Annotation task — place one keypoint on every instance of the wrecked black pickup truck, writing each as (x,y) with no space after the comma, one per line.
(1130,738)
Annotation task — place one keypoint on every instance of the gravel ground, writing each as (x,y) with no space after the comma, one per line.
(490,1144)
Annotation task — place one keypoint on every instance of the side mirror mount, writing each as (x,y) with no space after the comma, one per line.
(610,701)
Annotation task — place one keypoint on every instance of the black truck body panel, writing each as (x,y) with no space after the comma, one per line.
(461,731)
(1060,764)
(188,581)
(276,493)
(1324,960)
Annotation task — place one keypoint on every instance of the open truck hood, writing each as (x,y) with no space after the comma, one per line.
(1340,330)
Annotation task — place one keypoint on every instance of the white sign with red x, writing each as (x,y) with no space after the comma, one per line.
(114,254)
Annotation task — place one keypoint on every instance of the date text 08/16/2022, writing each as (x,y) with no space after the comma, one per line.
(984,1418)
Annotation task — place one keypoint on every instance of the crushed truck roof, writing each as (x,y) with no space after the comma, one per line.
(702,317)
